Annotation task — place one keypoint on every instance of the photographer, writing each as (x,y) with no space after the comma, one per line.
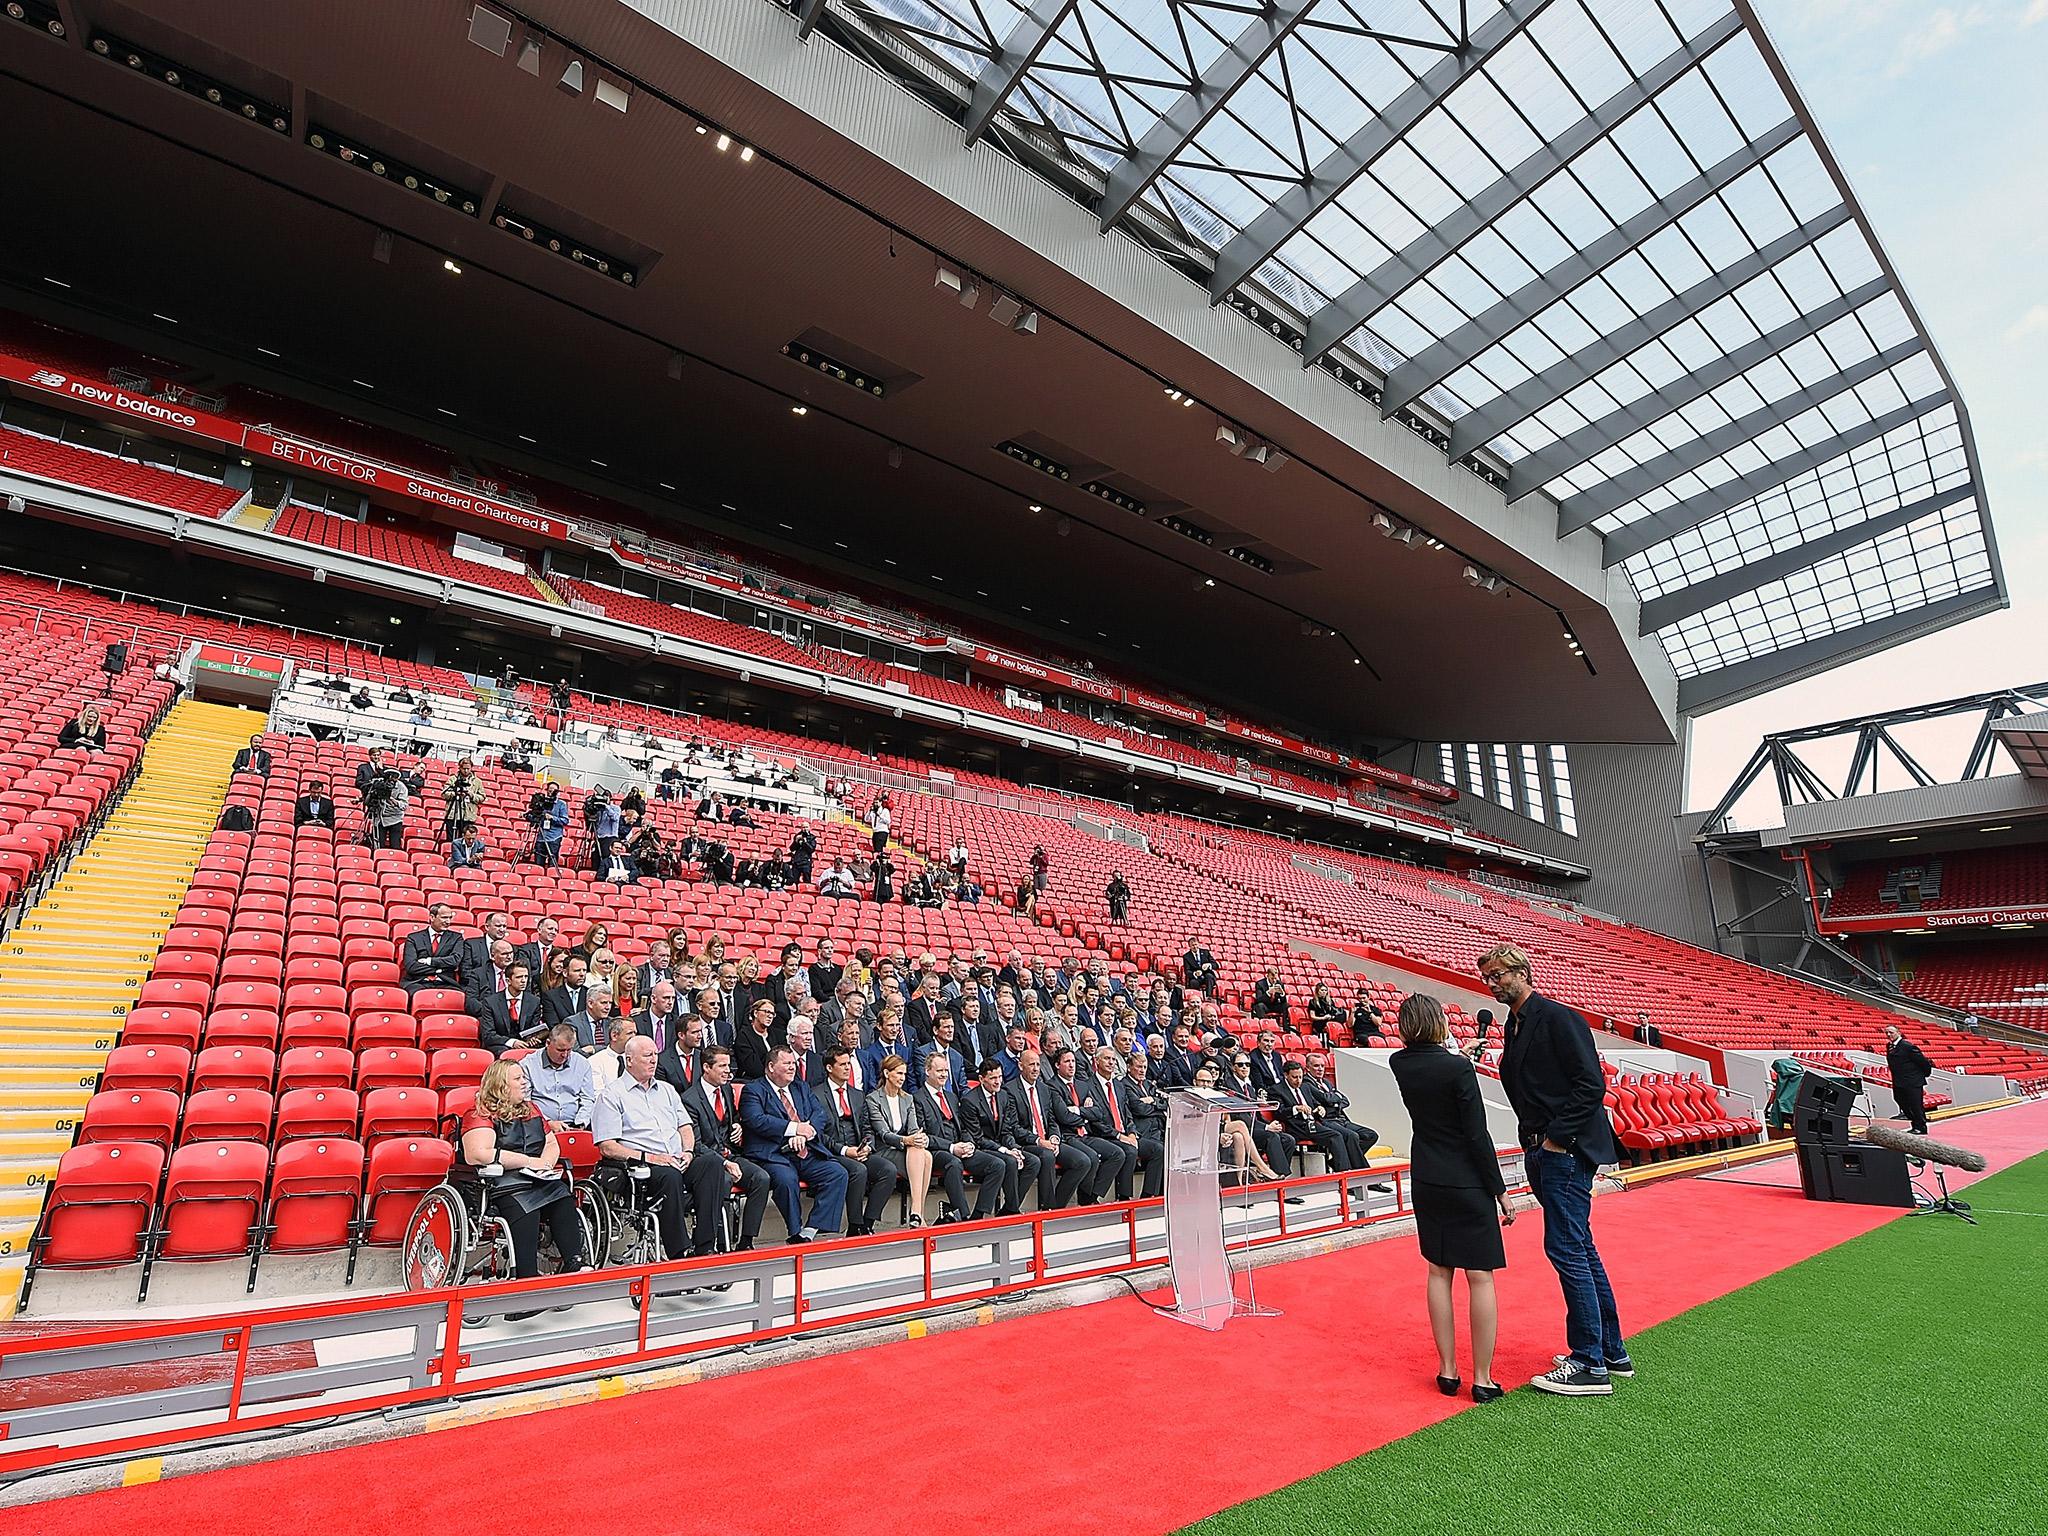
(601,820)
(548,814)
(466,798)
(385,801)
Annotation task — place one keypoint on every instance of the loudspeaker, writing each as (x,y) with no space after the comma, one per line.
(1856,1175)
(1820,1110)
(116,660)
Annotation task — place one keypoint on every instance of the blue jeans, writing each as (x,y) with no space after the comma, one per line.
(1564,1188)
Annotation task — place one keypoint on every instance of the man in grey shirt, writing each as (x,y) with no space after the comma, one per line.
(559,1080)
(640,1121)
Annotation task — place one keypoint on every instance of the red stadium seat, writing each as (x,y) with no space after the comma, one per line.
(393,1066)
(130,1114)
(401,1170)
(213,1197)
(304,1112)
(97,1214)
(316,1196)
(167,1067)
(458,1068)
(399,1112)
(234,1066)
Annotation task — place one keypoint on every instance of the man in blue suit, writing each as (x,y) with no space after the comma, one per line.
(779,1120)
(888,1041)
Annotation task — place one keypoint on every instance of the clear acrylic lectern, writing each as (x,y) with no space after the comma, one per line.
(1203,1289)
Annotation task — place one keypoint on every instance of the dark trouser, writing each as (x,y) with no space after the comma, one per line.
(703,1178)
(1912,1104)
(1019,1176)
(753,1186)
(1333,1144)
(992,1172)
(1149,1158)
(870,1181)
(546,854)
(828,1188)
(1119,910)
(1359,1140)
(1074,1165)
(391,835)
(881,841)
(1564,1188)
(1277,1147)
(567,1230)
(1110,1159)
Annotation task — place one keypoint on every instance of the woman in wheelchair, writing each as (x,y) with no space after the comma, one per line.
(503,1129)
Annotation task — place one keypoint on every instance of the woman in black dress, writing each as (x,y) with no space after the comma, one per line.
(1460,1198)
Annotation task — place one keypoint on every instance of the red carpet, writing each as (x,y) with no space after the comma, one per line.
(1347,1368)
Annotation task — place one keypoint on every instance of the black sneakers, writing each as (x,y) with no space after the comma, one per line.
(1574,1380)
(1622,1367)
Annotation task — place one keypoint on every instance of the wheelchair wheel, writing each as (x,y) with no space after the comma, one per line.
(437,1239)
(493,1258)
(594,1210)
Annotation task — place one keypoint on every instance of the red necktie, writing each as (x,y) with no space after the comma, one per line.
(1037,1115)
(844,1112)
(718,1106)
(995,1116)
(1116,1115)
(788,1108)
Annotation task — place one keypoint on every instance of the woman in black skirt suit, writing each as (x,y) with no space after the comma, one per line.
(1460,1198)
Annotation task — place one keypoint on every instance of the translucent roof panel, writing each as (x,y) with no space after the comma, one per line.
(1599,240)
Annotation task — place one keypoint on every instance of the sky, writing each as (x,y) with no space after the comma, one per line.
(1939,116)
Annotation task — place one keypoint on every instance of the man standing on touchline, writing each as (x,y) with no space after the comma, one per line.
(1551,1073)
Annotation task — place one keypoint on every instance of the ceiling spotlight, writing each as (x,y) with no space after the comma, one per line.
(1208,581)
(449,266)
(799,410)
(380,248)
(1027,323)
(1485,581)
(489,30)
(1063,526)
(1005,308)
(1231,438)
(894,457)
(1036,506)
(675,365)
(613,95)
(572,77)
(529,56)
(724,142)
(746,153)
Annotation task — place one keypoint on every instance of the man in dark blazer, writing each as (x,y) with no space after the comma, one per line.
(1551,1074)
(1308,1121)
(504,1019)
(535,951)
(1268,1066)
(254,758)
(1145,1112)
(924,1010)
(1111,1120)
(315,808)
(1038,1121)
(941,1041)
(682,1058)
(1177,1066)
(368,771)
(432,956)
(714,1110)
(871,1177)
(656,967)
(662,1022)
(1359,1139)
(779,1130)
(475,966)
(988,1118)
(955,1156)
(1198,968)
(976,1033)
(888,1042)
(1910,1068)
(1076,1101)
(568,998)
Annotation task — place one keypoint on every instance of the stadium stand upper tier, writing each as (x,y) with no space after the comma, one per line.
(1965,880)
(2000,979)
(393,539)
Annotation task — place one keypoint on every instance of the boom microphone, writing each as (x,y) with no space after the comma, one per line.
(1924,1148)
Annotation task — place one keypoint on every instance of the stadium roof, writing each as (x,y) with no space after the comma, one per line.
(1600,242)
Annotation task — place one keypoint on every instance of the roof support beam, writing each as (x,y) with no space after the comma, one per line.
(807,14)
(1370,294)
(1437,362)
(1662,612)
(1477,428)
(1174,129)
(1249,248)
(1576,512)
(1693,511)
(1538,469)
(1020,50)
(1759,674)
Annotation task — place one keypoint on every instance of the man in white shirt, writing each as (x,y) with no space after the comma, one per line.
(608,1064)
(640,1121)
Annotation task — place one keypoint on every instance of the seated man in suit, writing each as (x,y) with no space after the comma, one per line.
(1267,1063)
(315,808)
(432,956)
(779,1130)
(1306,1121)
(1111,1120)
(941,1044)
(955,1156)
(254,758)
(1036,1113)
(371,769)
(609,1064)
(888,1041)
(569,997)
(871,1176)
(1198,968)
(535,951)
(511,1017)
(661,1020)
(593,1024)
(1076,1100)
(714,1106)
(802,1035)
(988,1118)
(1145,1111)
(488,980)
(1359,1140)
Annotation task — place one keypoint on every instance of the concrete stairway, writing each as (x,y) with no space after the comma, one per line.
(71,970)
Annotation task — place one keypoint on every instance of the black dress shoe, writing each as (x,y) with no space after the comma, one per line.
(1487,1394)
(1448,1385)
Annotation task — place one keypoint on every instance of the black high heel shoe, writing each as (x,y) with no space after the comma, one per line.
(1448,1385)
(1482,1394)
